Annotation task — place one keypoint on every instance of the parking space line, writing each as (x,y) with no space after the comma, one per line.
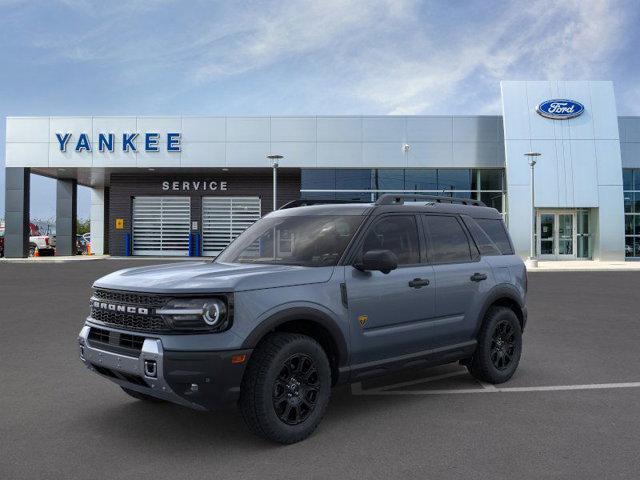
(357,389)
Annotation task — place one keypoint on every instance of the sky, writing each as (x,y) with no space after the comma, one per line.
(135,57)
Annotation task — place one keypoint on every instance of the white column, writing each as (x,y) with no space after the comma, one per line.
(97,221)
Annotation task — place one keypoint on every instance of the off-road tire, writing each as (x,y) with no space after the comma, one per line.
(141,396)
(482,364)
(262,386)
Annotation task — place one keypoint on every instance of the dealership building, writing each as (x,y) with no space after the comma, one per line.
(189,185)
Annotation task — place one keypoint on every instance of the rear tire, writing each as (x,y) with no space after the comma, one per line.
(141,396)
(286,388)
(499,347)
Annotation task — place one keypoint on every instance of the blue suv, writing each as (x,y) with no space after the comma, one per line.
(310,297)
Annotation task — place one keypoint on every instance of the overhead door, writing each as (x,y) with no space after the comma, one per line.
(161,225)
(224,218)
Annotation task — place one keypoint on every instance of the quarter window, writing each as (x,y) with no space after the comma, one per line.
(494,228)
(447,240)
(397,233)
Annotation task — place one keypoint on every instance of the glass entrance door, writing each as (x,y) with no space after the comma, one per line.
(546,227)
(557,238)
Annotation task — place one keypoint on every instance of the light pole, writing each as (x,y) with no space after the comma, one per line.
(274,162)
(532,261)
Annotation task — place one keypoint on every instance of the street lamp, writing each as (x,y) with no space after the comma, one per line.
(532,261)
(274,162)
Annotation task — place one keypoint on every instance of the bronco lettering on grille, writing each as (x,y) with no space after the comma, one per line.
(120,308)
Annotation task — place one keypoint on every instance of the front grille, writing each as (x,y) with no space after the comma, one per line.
(130,298)
(126,320)
(116,342)
(129,321)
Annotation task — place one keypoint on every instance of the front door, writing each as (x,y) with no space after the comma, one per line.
(557,235)
(390,314)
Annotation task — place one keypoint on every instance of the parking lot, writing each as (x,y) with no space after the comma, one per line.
(571,411)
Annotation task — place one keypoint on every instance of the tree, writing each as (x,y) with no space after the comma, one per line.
(84,226)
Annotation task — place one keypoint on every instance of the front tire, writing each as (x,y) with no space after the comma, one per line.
(499,347)
(286,388)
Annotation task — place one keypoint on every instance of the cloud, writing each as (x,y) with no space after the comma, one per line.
(391,56)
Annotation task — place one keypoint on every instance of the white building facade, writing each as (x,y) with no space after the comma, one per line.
(189,185)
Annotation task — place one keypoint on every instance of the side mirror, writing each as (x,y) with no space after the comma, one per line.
(378,260)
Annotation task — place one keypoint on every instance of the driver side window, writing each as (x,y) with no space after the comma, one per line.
(397,233)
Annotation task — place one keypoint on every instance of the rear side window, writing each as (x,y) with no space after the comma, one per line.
(486,246)
(496,231)
(448,243)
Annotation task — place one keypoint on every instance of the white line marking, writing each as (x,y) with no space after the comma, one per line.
(544,388)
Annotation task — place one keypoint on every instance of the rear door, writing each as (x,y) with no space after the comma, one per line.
(460,274)
(390,313)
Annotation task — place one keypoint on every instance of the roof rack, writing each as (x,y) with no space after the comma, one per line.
(305,203)
(399,199)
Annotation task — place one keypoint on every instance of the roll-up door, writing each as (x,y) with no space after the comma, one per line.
(161,225)
(224,218)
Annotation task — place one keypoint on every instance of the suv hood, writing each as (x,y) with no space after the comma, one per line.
(208,277)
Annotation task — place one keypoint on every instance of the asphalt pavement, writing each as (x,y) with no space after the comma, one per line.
(571,411)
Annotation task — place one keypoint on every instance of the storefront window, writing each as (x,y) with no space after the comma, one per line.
(631,181)
(365,185)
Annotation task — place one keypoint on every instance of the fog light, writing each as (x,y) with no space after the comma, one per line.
(150,368)
(194,387)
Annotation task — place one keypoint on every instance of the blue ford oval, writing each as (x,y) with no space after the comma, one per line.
(560,109)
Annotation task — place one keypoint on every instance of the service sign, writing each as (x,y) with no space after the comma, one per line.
(106,142)
(560,109)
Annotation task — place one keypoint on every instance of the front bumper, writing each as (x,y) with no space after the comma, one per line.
(202,380)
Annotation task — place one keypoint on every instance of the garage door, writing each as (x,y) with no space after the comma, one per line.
(161,225)
(224,218)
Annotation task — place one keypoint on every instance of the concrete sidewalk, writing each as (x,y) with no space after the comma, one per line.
(584,266)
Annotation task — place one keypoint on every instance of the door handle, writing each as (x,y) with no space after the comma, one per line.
(418,282)
(478,277)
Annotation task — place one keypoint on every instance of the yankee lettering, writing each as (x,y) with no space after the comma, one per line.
(195,185)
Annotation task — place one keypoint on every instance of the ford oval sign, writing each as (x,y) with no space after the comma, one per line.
(560,109)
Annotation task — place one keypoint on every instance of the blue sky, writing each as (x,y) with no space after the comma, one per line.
(82,57)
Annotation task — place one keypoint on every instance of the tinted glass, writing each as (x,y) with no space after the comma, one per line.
(492,199)
(388,179)
(486,246)
(396,233)
(421,179)
(448,242)
(496,231)
(312,241)
(317,179)
(454,179)
(491,179)
(353,179)
(627,178)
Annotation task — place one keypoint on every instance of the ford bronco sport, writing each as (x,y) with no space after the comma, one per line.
(310,297)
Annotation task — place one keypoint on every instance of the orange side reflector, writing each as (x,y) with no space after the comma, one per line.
(236,359)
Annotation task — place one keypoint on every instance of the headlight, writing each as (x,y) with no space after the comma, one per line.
(196,314)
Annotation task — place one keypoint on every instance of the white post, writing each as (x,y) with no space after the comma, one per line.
(532,261)
(274,163)
(97,221)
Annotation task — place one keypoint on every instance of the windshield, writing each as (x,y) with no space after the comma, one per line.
(311,241)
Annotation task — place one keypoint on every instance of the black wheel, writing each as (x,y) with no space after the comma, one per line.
(499,347)
(32,249)
(286,387)
(141,396)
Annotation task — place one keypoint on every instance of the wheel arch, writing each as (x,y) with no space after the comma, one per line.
(312,322)
(504,296)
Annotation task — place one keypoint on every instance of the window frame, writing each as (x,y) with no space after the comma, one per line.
(354,249)
(474,253)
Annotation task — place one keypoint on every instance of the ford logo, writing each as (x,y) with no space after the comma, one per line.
(560,109)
